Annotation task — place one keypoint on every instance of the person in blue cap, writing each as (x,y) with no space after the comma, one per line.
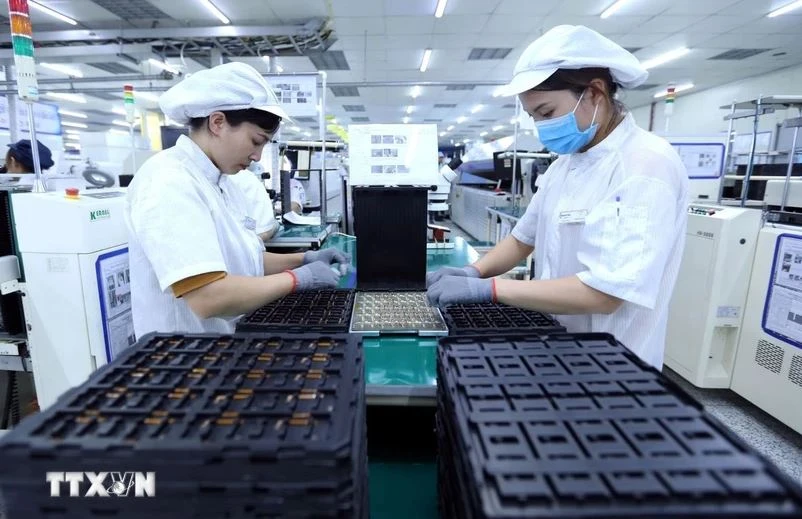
(19,158)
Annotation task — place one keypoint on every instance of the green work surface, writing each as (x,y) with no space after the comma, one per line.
(301,231)
(508,211)
(402,490)
(405,361)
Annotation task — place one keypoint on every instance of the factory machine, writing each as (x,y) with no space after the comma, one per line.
(707,308)
(77,298)
(768,367)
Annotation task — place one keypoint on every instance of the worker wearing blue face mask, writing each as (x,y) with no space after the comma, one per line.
(607,226)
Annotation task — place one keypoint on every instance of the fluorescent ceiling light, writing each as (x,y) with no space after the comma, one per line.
(215,11)
(73,98)
(466,141)
(295,128)
(498,91)
(74,125)
(51,12)
(442,134)
(68,113)
(279,68)
(64,69)
(618,4)
(406,120)
(450,128)
(513,120)
(307,134)
(440,9)
(72,132)
(678,88)
(665,58)
(415,92)
(497,128)
(424,64)
(120,123)
(461,119)
(476,108)
(334,121)
(785,9)
(72,136)
(482,134)
(119,111)
(162,65)
(73,145)
(409,109)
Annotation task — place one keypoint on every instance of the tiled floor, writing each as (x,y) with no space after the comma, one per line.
(776,441)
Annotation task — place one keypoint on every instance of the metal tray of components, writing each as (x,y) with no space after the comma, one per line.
(379,313)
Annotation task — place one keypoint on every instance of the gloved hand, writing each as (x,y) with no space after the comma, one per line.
(468,271)
(313,276)
(454,290)
(329,256)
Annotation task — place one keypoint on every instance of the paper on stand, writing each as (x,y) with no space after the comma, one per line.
(297,219)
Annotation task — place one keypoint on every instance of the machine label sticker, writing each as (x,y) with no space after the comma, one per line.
(576,216)
(100,214)
(114,295)
(728,312)
(782,315)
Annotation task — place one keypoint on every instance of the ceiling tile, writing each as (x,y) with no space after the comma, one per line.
(410,24)
(526,8)
(408,7)
(465,25)
(357,8)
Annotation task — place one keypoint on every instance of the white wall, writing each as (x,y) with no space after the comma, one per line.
(699,113)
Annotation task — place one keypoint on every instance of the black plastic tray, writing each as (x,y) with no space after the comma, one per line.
(587,441)
(467,319)
(269,418)
(319,311)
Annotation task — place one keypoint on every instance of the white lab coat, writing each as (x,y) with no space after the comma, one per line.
(260,207)
(185,218)
(615,216)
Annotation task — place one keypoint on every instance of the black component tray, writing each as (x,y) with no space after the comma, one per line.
(243,425)
(542,426)
(495,318)
(318,311)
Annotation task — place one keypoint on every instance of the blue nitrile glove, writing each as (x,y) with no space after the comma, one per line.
(454,290)
(469,271)
(314,276)
(330,257)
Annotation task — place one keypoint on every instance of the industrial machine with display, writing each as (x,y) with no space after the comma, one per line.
(707,307)
(77,297)
(768,369)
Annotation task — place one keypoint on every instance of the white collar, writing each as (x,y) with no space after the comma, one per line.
(199,159)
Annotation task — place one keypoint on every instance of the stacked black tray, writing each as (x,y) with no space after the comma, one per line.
(229,426)
(577,426)
(327,311)
(494,318)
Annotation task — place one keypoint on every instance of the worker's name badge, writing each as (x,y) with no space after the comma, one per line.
(576,216)
(250,223)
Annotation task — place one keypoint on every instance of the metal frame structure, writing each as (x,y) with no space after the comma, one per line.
(757,107)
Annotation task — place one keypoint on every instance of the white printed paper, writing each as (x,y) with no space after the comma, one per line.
(114,286)
(783,312)
(297,219)
(297,94)
(393,154)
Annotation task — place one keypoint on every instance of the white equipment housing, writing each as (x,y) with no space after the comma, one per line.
(707,307)
(768,368)
(75,322)
(774,193)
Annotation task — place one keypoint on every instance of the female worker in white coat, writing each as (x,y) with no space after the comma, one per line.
(196,262)
(607,225)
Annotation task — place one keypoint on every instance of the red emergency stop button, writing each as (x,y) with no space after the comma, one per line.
(71,192)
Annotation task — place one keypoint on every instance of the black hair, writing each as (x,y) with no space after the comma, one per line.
(579,80)
(265,120)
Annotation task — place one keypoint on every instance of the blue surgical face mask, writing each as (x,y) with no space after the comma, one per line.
(562,134)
